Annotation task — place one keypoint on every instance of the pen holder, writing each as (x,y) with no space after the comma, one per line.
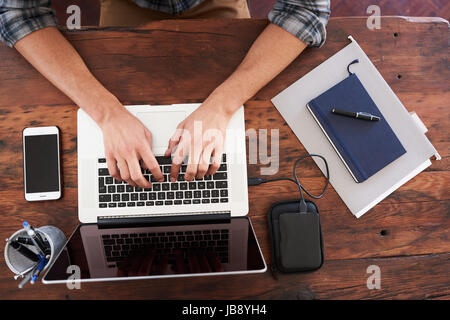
(18,263)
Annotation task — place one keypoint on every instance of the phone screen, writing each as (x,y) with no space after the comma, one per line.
(41,163)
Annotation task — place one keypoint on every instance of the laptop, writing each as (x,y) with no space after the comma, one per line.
(169,230)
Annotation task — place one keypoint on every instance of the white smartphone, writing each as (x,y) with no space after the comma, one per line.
(41,163)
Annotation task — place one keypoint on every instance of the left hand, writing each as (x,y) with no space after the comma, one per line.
(200,136)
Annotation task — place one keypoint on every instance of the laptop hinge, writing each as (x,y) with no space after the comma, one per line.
(127,221)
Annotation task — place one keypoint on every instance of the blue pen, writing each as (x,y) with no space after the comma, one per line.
(29,274)
(27,277)
(38,270)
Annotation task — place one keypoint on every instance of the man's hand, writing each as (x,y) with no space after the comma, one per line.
(200,136)
(127,141)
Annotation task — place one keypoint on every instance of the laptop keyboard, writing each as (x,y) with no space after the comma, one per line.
(119,247)
(209,189)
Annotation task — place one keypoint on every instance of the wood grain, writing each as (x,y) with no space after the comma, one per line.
(407,235)
(401,278)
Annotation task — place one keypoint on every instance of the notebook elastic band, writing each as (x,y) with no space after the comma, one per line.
(348,67)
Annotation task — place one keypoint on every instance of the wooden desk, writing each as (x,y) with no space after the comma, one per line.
(407,235)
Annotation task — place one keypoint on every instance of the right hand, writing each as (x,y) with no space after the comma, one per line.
(127,141)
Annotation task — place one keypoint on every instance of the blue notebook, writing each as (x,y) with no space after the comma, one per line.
(364,146)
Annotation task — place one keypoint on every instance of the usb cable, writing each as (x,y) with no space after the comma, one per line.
(303,206)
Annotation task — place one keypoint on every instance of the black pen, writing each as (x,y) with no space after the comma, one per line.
(27,240)
(23,250)
(37,240)
(356,115)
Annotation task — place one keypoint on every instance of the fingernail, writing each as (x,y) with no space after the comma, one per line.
(172,179)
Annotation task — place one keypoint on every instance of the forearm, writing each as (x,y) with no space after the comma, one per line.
(271,53)
(55,58)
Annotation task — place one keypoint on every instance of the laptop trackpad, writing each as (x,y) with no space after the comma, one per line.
(162,126)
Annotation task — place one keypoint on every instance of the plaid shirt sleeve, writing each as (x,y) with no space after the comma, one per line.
(305,19)
(19,18)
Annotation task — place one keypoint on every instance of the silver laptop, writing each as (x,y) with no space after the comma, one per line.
(178,229)
(100,196)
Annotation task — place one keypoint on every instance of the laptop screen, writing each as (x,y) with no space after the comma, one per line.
(94,254)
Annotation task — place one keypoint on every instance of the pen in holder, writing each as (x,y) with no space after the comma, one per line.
(23,261)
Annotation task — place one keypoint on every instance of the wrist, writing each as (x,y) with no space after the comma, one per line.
(224,102)
(103,107)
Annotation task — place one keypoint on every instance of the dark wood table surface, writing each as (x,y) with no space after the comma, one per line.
(407,235)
